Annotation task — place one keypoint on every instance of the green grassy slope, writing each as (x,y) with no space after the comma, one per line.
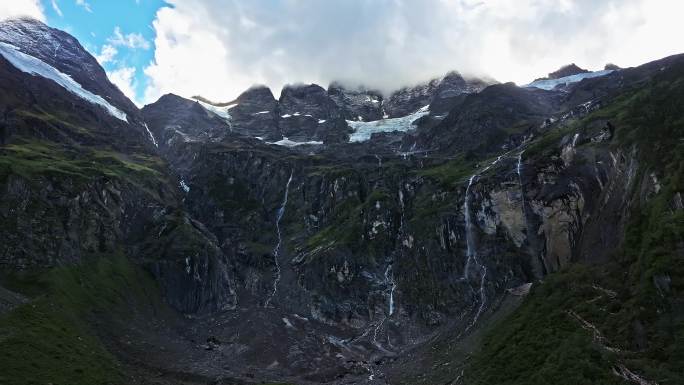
(51,339)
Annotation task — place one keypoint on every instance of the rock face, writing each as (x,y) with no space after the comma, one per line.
(438,91)
(365,105)
(194,272)
(475,124)
(306,100)
(173,118)
(256,114)
(441,94)
(347,258)
(568,70)
(308,113)
(78,182)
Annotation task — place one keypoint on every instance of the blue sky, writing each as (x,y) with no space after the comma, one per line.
(125,25)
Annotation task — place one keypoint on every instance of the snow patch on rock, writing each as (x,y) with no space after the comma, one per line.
(364,130)
(549,84)
(290,143)
(222,112)
(29,64)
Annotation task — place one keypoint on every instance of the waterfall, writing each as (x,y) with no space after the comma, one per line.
(471,252)
(574,139)
(468,228)
(389,279)
(518,169)
(483,296)
(154,141)
(402,206)
(379,160)
(378,327)
(470,249)
(391,301)
(498,158)
(276,249)
(184,186)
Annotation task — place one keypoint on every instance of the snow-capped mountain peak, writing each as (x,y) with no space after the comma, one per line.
(35,66)
(63,52)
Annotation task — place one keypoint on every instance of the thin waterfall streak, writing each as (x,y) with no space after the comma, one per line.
(468,228)
(377,330)
(574,140)
(483,298)
(471,251)
(470,247)
(391,299)
(276,249)
(389,279)
(518,169)
(154,140)
(498,158)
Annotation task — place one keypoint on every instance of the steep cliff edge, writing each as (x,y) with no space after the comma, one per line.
(604,216)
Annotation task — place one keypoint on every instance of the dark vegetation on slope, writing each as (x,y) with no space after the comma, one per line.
(32,158)
(634,300)
(54,338)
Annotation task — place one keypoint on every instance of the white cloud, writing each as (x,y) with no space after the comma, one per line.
(124,78)
(218,48)
(131,40)
(85,5)
(107,54)
(55,7)
(13,8)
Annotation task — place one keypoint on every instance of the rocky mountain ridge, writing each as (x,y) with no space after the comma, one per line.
(307,114)
(566,70)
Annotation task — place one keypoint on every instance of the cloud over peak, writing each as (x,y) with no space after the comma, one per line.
(18,8)
(130,40)
(218,48)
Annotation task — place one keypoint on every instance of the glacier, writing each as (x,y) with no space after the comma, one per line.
(364,130)
(220,111)
(29,64)
(549,84)
(290,143)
